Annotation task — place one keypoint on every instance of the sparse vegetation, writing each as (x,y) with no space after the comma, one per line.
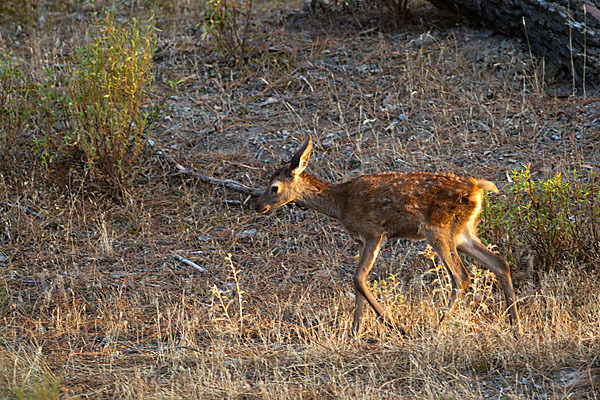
(14,107)
(93,304)
(227,23)
(24,375)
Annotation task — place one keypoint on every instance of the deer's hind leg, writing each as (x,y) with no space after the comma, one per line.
(443,243)
(360,299)
(470,244)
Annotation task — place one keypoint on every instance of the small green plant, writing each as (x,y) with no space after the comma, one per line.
(109,93)
(228,24)
(52,122)
(100,117)
(46,388)
(481,290)
(388,289)
(556,219)
(11,77)
(478,296)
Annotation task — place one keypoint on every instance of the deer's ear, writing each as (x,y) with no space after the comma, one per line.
(300,159)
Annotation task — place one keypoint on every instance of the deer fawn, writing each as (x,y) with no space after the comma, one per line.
(440,208)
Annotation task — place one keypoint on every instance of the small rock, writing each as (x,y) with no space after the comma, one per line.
(249,232)
(268,101)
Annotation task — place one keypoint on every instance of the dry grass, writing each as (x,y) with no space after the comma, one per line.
(94,305)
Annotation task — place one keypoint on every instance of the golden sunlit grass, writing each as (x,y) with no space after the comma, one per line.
(93,304)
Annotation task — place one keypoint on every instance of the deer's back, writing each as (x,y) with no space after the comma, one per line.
(401,203)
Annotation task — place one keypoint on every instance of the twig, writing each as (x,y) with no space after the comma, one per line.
(188,262)
(229,184)
(188,348)
(27,210)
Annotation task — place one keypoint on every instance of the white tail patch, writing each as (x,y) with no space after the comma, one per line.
(464,236)
(477,198)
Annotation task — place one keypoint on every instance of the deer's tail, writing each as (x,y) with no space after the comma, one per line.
(487,185)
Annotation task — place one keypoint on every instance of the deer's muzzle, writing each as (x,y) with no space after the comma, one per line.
(262,208)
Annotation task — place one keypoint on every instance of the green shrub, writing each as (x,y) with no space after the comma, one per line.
(97,116)
(228,26)
(557,220)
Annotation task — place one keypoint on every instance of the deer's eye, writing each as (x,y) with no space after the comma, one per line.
(274,189)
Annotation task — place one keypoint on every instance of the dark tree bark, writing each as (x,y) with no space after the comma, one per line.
(564,32)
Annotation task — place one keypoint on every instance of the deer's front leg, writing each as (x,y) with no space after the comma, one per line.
(368,254)
(358,309)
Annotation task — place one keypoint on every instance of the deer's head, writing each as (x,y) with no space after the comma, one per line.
(285,184)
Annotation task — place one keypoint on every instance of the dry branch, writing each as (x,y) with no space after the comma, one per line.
(227,183)
(188,262)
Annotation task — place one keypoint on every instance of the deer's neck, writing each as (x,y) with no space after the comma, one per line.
(319,195)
